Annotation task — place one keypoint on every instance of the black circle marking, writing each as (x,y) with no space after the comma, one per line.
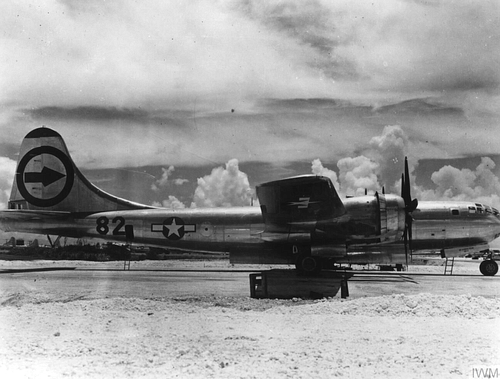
(173,228)
(70,177)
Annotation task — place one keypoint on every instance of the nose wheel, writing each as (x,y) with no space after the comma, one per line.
(488,267)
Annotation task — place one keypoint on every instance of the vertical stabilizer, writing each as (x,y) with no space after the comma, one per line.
(47,179)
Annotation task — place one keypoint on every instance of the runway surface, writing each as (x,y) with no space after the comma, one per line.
(85,282)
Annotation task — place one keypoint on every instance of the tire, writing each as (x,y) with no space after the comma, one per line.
(308,265)
(488,267)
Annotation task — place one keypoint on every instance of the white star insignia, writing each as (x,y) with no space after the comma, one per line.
(173,228)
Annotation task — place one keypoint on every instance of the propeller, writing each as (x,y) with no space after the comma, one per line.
(410,206)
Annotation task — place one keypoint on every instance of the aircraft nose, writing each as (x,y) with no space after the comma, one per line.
(494,221)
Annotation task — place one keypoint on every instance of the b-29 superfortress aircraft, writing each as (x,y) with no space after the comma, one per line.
(301,220)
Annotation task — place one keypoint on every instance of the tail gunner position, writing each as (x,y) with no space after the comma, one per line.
(301,220)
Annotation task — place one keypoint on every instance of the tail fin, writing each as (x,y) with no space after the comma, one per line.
(47,179)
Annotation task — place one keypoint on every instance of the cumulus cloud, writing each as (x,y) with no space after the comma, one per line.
(172,202)
(318,169)
(480,185)
(224,187)
(389,150)
(180,182)
(357,174)
(160,184)
(7,171)
(382,162)
(163,181)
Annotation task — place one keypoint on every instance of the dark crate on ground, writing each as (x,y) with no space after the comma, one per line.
(288,284)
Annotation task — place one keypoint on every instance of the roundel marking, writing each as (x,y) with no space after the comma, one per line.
(46,177)
(173,228)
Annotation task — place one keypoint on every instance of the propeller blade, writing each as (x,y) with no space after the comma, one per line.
(406,185)
(402,185)
(405,236)
(410,206)
(410,237)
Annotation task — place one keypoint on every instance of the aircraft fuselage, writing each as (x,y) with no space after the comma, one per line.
(240,231)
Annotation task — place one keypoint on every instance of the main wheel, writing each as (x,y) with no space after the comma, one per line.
(488,267)
(308,265)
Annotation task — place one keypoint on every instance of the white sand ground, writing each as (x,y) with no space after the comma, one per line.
(397,336)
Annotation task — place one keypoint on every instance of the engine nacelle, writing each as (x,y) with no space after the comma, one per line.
(375,219)
(372,220)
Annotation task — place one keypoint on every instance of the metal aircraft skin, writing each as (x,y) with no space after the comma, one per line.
(301,220)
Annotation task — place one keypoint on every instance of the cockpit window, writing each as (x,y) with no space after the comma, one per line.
(472,209)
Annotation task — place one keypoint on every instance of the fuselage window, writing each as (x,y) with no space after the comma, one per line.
(455,212)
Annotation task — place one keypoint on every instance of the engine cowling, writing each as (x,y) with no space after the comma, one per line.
(375,219)
(371,221)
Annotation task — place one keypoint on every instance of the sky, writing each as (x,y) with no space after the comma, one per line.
(194,103)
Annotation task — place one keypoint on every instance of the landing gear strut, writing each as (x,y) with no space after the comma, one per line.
(55,243)
(488,267)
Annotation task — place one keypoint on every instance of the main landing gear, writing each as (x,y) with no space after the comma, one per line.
(305,263)
(54,243)
(308,265)
(488,267)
